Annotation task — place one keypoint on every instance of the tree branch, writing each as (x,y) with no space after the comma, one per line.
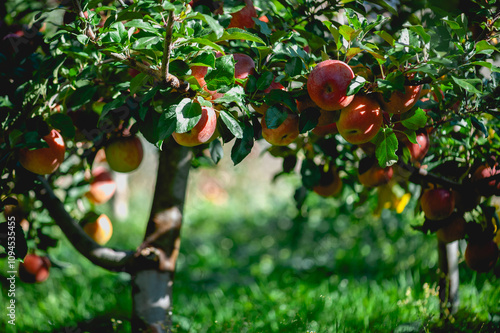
(104,257)
(167,46)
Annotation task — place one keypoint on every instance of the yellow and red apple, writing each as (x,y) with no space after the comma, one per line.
(201,132)
(124,154)
(44,161)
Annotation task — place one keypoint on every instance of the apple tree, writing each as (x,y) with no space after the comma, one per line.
(355,97)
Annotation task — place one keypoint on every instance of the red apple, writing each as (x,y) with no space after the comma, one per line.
(419,150)
(34,268)
(284,134)
(400,102)
(360,121)
(201,132)
(273,86)
(453,230)
(243,18)
(326,123)
(102,186)
(481,256)
(244,66)
(371,174)
(99,230)
(330,183)
(437,203)
(199,73)
(327,84)
(124,154)
(493,186)
(44,161)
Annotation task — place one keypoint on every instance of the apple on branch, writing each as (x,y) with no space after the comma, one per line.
(99,230)
(360,121)
(401,102)
(243,18)
(437,203)
(102,186)
(371,174)
(202,132)
(124,154)
(330,183)
(34,269)
(327,85)
(44,161)
(284,134)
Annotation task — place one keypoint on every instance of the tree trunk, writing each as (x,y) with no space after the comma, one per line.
(448,278)
(152,284)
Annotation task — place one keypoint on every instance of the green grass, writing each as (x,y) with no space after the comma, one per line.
(250,263)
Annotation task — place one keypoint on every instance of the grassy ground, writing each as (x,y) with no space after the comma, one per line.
(250,263)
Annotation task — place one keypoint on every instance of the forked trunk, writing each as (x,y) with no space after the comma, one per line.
(152,284)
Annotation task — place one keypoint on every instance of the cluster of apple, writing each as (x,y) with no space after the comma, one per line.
(447,207)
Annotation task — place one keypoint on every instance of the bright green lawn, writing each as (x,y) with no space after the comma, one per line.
(250,263)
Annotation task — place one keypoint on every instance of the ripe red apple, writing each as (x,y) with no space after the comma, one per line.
(327,84)
(44,161)
(371,174)
(400,102)
(326,123)
(284,134)
(360,121)
(102,186)
(243,18)
(490,188)
(124,154)
(453,230)
(419,150)
(437,203)
(330,183)
(244,66)
(273,86)
(34,268)
(199,73)
(481,256)
(201,132)
(99,230)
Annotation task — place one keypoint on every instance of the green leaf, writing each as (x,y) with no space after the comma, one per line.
(468,84)
(222,75)
(486,64)
(479,125)
(414,119)
(111,106)
(483,47)
(239,34)
(387,144)
(386,36)
(242,147)
(204,59)
(204,41)
(275,116)
(140,24)
(188,114)
(294,67)
(265,81)
(421,32)
(146,42)
(308,119)
(213,24)
(384,5)
(232,124)
(167,124)
(355,86)
(348,33)
(138,82)
(216,151)
(63,123)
